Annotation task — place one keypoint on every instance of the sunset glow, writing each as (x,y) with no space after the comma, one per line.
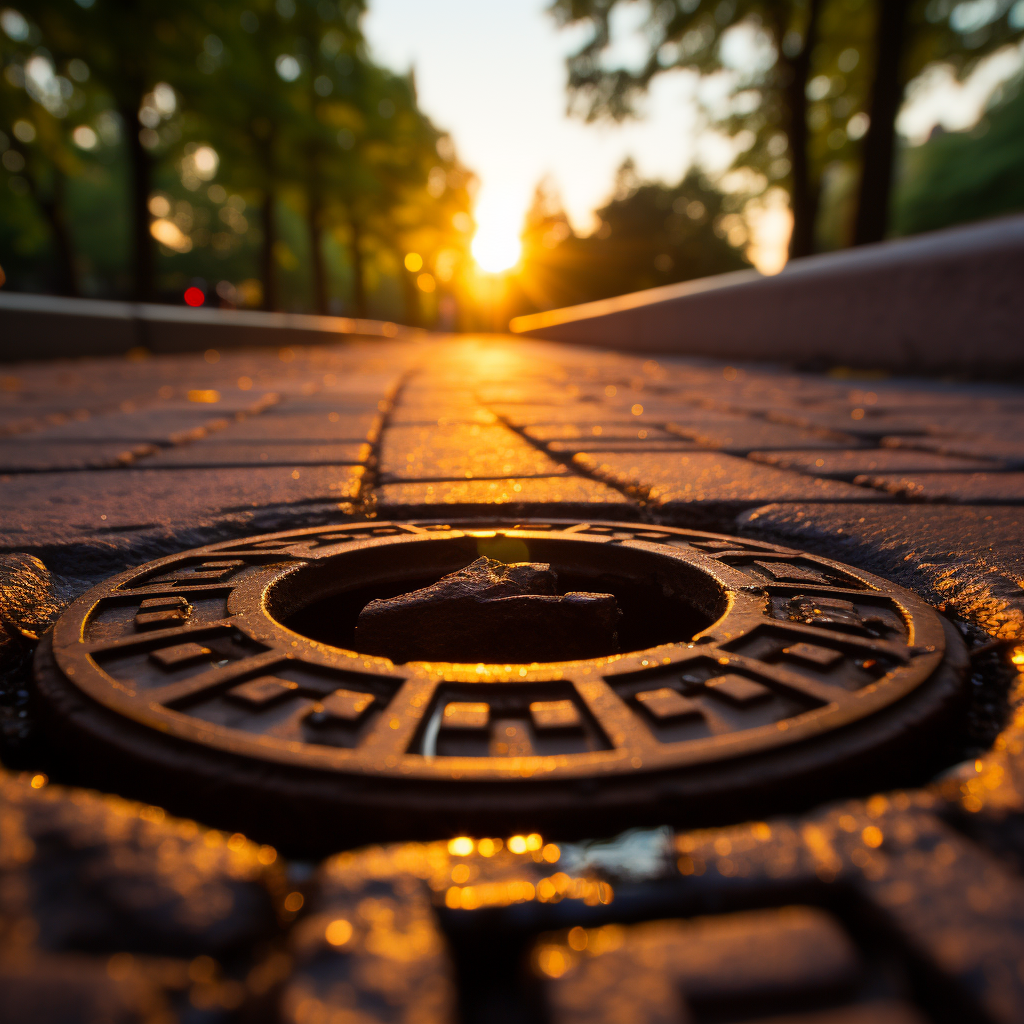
(496,246)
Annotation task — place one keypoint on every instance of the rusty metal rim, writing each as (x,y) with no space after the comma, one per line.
(383,754)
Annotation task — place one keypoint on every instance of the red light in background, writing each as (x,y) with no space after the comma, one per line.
(194,296)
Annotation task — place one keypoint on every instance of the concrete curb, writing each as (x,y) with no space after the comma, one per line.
(948,301)
(49,327)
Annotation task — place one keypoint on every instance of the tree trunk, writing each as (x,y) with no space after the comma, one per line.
(141,242)
(314,221)
(410,298)
(268,271)
(805,192)
(64,277)
(67,282)
(358,282)
(875,191)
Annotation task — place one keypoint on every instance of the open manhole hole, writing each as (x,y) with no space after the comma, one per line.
(665,675)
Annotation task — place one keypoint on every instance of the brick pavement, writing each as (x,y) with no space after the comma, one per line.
(140,454)
(105,464)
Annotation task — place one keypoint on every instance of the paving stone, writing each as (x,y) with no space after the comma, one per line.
(745,435)
(556,493)
(1008,450)
(672,479)
(211,399)
(98,874)
(17,419)
(574,413)
(848,464)
(737,964)
(323,404)
(139,427)
(20,456)
(974,422)
(369,948)
(303,428)
(531,393)
(47,989)
(951,902)
(616,445)
(968,488)
(930,396)
(623,431)
(850,423)
(966,558)
(213,452)
(460,452)
(873,1012)
(439,414)
(942,908)
(43,507)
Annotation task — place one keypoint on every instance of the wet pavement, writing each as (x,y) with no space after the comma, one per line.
(115,459)
(919,901)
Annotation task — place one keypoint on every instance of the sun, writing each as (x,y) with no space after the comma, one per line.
(496,246)
(496,250)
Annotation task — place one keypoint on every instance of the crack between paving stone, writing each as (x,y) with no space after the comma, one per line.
(366,500)
(560,457)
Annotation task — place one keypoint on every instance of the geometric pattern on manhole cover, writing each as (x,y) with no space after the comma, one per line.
(217,682)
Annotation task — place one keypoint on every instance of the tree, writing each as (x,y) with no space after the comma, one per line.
(963,176)
(827,90)
(770,96)
(649,235)
(195,115)
(131,45)
(245,102)
(909,35)
(35,102)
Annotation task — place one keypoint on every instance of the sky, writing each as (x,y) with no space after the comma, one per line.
(493,75)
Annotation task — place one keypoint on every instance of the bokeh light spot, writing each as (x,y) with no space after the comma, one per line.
(338,932)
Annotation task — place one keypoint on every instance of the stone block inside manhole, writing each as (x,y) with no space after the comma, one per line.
(710,679)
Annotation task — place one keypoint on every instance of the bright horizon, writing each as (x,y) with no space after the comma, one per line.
(493,76)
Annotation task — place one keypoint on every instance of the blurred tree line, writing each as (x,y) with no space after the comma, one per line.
(807,93)
(252,149)
(818,82)
(649,234)
(248,147)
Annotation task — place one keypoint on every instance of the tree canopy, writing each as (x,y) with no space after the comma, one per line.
(809,82)
(251,148)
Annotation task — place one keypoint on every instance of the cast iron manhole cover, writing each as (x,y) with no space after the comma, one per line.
(223,683)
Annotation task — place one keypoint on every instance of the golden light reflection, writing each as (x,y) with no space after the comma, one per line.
(551,853)
(461,847)
(338,932)
(556,954)
(167,233)
(872,836)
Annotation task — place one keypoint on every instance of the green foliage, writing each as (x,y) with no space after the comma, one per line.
(958,177)
(649,235)
(796,111)
(248,144)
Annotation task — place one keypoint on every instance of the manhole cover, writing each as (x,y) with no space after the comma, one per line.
(224,683)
